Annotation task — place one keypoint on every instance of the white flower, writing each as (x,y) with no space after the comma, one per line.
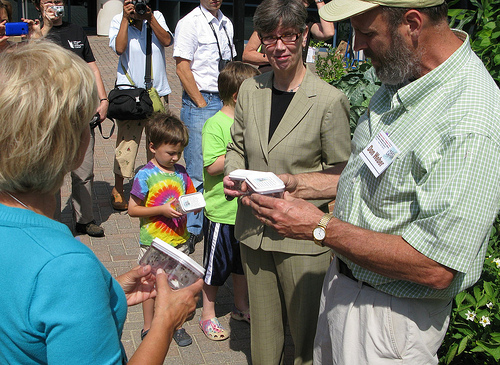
(497,261)
(470,315)
(484,321)
(489,305)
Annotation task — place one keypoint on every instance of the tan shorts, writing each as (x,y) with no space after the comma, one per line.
(128,138)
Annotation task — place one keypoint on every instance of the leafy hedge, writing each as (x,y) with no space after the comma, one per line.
(482,22)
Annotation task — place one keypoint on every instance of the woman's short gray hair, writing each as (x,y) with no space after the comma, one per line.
(271,14)
(47,98)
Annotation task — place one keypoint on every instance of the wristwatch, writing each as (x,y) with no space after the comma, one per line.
(319,1)
(319,233)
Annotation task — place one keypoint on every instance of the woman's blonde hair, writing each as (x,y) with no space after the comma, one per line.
(47,98)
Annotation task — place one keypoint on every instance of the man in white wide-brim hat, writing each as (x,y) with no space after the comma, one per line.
(417,199)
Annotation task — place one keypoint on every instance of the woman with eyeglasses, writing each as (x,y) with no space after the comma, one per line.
(321,30)
(286,121)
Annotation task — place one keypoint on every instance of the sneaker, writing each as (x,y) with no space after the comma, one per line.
(91,228)
(238,315)
(191,242)
(181,337)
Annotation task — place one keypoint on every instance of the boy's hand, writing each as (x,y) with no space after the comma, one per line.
(168,210)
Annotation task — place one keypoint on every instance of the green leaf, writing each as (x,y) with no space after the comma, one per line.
(485,42)
(463,344)
(492,349)
(452,351)
(483,300)
(489,26)
(459,299)
(496,59)
(495,336)
(470,298)
(488,288)
(477,349)
(477,293)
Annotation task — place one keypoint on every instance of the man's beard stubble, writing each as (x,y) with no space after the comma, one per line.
(399,63)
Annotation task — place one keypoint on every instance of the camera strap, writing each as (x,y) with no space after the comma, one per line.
(217,39)
(96,122)
(148,74)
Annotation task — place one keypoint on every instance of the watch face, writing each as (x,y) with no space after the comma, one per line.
(319,233)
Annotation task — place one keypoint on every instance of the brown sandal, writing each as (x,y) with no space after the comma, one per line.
(117,201)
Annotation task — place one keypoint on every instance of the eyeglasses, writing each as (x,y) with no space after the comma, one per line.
(285,38)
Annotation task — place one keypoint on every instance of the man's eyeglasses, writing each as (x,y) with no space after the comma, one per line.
(285,38)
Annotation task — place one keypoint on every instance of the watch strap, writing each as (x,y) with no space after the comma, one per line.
(323,222)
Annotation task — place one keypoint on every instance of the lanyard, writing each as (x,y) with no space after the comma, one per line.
(216,38)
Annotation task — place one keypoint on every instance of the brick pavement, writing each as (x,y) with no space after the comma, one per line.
(118,250)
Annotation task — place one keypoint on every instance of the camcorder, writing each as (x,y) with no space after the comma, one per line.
(140,6)
(17,28)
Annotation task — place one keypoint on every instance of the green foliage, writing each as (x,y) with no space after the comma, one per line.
(483,25)
(473,335)
(358,85)
(358,81)
(330,66)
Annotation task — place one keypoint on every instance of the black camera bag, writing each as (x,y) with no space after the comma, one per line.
(129,103)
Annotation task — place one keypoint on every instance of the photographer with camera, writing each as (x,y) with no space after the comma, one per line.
(128,38)
(73,38)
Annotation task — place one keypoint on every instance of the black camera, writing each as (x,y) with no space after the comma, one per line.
(96,120)
(140,6)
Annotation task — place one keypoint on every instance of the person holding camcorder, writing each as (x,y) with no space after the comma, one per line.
(128,38)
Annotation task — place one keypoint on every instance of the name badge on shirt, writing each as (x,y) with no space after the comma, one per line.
(379,154)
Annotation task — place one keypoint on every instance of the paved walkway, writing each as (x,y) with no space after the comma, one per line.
(118,250)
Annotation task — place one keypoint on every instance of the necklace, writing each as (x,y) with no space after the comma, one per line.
(17,200)
(294,88)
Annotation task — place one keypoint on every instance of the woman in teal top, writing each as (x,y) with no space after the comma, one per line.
(59,303)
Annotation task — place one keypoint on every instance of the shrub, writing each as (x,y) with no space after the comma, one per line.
(473,336)
(482,23)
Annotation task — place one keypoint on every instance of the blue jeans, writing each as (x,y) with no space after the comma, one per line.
(194,118)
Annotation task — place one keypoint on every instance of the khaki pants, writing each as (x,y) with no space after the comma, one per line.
(82,181)
(283,286)
(361,325)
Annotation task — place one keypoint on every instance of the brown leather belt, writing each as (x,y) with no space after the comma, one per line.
(344,270)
